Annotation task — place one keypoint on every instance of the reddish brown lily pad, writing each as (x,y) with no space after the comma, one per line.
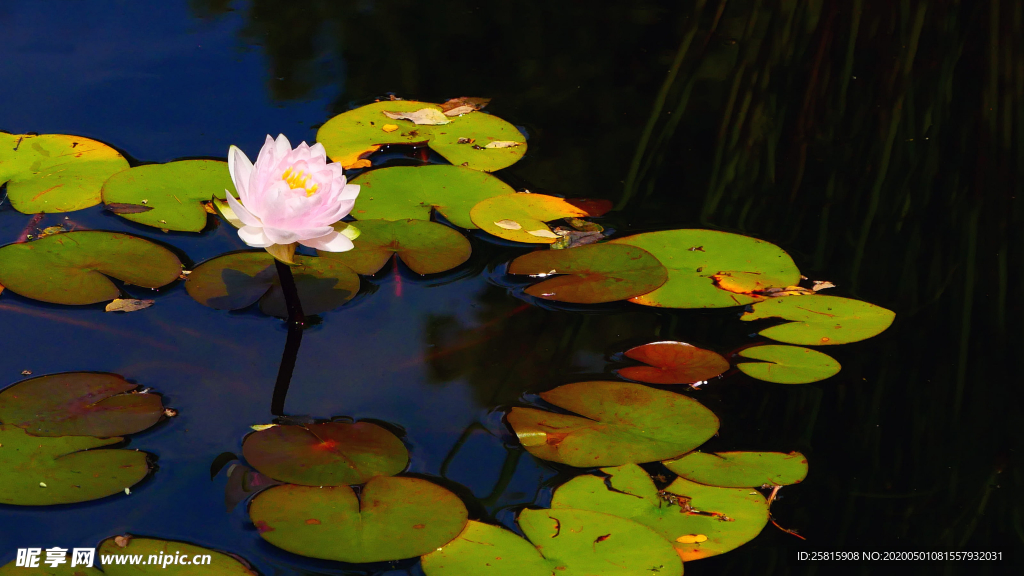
(673,363)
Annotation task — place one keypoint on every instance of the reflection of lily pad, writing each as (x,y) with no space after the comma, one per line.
(237,280)
(55,172)
(682,513)
(72,268)
(521,217)
(39,470)
(741,469)
(591,274)
(393,518)
(673,363)
(79,404)
(694,256)
(788,364)
(412,192)
(331,454)
(425,247)
(190,555)
(172,193)
(821,320)
(618,423)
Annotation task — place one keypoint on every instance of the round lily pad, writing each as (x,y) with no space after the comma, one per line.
(741,469)
(521,217)
(788,364)
(237,280)
(40,471)
(353,135)
(618,423)
(591,274)
(673,363)
(72,268)
(699,521)
(55,172)
(694,257)
(479,141)
(330,454)
(487,550)
(393,518)
(425,247)
(413,192)
(821,320)
(168,196)
(189,558)
(79,404)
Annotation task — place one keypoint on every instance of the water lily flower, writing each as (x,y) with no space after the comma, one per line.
(290,196)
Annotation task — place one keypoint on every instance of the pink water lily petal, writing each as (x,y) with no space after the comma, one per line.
(244,215)
(288,236)
(333,242)
(254,237)
(240,169)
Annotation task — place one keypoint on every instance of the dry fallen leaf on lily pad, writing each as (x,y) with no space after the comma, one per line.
(503,144)
(463,105)
(128,305)
(508,224)
(426,116)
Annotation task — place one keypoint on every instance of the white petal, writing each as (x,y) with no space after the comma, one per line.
(350,192)
(281,147)
(240,169)
(266,155)
(317,151)
(333,242)
(247,217)
(254,237)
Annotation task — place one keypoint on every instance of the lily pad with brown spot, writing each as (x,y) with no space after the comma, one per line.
(788,364)
(821,320)
(192,561)
(741,469)
(351,136)
(530,212)
(673,363)
(425,247)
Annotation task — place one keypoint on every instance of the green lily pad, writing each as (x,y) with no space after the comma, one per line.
(237,280)
(693,257)
(699,521)
(788,364)
(393,518)
(352,136)
(673,363)
(168,196)
(40,471)
(591,274)
(79,404)
(72,268)
(488,550)
(425,247)
(521,217)
(413,192)
(192,561)
(618,423)
(330,454)
(741,469)
(821,320)
(55,172)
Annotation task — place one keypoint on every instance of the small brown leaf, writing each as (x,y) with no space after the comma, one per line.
(463,102)
(122,541)
(126,208)
(128,305)
(426,116)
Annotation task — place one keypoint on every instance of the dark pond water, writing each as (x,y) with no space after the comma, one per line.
(881,144)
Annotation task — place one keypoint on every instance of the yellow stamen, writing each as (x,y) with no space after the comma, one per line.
(297,180)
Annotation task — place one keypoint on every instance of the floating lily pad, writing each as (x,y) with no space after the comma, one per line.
(168,196)
(487,550)
(682,513)
(493,143)
(55,172)
(79,404)
(393,518)
(237,280)
(693,257)
(741,469)
(192,561)
(673,363)
(618,423)
(40,471)
(788,364)
(72,268)
(821,320)
(425,247)
(330,454)
(521,217)
(413,192)
(591,274)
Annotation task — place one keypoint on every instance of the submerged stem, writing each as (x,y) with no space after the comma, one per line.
(296,323)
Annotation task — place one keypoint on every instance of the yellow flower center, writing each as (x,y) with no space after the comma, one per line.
(299,180)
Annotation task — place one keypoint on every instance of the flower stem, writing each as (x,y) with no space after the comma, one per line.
(296,323)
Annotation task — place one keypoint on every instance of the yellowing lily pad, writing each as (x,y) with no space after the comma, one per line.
(529,211)
(72,268)
(821,320)
(40,471)
(55,172)
(699,521)
(413,192)
(591,274)
(173,193)
(694,257)
(741,469)
(425,247)
(79,404)
(330,454)
(353,135)
(184,557)
(618,423)
(788,364)
(673,363)
(393,518)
